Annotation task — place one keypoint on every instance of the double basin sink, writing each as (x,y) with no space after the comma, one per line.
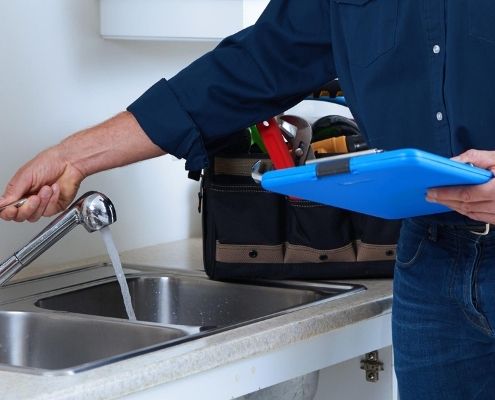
(74,321)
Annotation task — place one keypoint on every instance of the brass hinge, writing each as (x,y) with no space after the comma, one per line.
(371,365)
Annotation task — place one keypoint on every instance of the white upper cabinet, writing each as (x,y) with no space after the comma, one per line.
(177,19)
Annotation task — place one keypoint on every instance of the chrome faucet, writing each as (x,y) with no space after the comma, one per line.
(93,210)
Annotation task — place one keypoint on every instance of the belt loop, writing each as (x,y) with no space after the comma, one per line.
(433,233)
(484,233)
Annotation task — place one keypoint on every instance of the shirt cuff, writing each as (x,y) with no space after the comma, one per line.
(169,126)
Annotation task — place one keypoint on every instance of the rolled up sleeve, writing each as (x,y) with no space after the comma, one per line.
(250,76)
(169,125)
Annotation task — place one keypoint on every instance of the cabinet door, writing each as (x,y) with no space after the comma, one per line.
(177,19)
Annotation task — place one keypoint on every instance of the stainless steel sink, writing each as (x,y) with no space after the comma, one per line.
(70,322)
(33,341)
(186,300)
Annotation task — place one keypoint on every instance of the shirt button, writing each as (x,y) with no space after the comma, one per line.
(439,116)
(436,49)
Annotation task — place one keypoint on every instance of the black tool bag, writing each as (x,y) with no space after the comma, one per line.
(250,233)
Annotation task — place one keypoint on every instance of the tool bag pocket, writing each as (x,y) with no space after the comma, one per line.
(249,233)
(316,233)
(243,225)
(375,238)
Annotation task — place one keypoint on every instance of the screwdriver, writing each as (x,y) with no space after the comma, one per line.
(16,204)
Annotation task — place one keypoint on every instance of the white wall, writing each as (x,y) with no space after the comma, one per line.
(57,75)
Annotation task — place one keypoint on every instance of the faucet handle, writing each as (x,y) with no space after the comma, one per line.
(93,210)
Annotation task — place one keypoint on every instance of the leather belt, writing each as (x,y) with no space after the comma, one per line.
(481,230)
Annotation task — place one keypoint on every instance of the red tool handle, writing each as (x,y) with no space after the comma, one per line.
(275,144)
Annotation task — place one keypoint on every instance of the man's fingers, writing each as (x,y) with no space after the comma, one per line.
(476,214)
(10,195)
(474,207)
(480,158)
(471,193)
(44,194)
(9,213)
(27,209)
(19,186)
(487,218)
(53,206)
(45,203)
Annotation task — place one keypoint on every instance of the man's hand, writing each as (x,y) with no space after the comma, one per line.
(49,181)
(476,201)
(52,178)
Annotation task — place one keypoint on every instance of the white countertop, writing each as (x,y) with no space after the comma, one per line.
(167,365)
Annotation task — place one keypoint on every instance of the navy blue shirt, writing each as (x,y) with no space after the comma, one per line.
(415,73)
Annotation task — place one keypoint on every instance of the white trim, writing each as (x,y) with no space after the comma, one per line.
(246,376)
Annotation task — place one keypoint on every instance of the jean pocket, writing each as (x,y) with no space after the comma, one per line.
(481,14)
(369,28)
(411,245)
(482,296)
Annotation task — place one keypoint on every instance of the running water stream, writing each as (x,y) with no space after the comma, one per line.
(119,272)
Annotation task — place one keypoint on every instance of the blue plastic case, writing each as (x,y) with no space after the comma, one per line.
(390,184)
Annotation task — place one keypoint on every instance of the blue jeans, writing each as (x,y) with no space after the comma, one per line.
(443,316)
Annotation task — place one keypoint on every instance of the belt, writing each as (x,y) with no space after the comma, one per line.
(481,230)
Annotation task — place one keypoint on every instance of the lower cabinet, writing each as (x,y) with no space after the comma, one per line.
(358,378)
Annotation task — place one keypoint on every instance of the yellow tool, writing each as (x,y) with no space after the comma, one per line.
(339,144)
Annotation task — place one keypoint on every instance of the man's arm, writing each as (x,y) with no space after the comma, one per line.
(254,74)
(53,177)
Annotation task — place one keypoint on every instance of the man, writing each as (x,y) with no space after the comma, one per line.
(416,73)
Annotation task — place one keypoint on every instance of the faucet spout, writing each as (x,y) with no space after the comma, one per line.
(93,210)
